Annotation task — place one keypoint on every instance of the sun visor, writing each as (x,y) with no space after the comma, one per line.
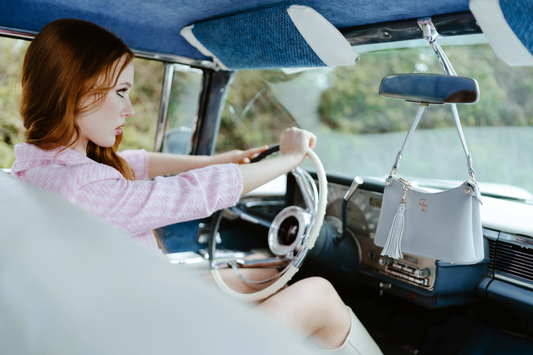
(276,37)
(508,25)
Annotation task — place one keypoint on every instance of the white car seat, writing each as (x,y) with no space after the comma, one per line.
(71,284)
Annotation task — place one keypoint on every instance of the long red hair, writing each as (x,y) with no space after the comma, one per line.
(68,63)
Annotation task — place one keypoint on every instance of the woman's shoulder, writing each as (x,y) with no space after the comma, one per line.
(138,161)
(59,170)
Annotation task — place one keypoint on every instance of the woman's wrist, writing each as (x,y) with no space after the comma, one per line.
(210,160)
(293,159)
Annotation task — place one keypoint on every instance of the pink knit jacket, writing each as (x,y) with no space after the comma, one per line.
(136,207)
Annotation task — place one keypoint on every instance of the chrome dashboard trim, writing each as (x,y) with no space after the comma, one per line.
(522,241)
(506,257)
(513,281)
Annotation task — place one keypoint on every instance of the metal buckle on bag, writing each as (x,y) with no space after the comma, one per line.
(393,172)
(406,188)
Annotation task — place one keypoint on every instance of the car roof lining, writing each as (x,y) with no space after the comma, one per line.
(153,26)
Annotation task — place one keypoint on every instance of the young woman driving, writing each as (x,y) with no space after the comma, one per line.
(76,80)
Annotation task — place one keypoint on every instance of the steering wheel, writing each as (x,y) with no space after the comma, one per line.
(291,236)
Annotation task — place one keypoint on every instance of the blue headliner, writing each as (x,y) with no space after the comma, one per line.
(154,25)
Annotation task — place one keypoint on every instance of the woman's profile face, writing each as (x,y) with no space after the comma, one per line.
(103,124)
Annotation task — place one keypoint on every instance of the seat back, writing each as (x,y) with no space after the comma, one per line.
(71,284)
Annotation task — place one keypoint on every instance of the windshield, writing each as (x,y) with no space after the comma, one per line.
(360,133)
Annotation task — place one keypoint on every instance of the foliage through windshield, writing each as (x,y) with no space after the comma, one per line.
(360,132)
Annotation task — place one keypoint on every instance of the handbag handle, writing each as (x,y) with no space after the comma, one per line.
(396,165)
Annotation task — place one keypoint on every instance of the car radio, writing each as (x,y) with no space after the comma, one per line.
(405,271)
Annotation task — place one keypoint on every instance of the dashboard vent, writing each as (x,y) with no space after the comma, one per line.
(512,258)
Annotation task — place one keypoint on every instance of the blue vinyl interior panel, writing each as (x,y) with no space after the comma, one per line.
(154,25)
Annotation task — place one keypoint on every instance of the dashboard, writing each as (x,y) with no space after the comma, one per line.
(362,218)
(505,275)
(508,263)
(496,293)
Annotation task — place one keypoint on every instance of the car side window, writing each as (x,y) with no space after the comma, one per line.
(253,116)
(12,53)
(183,106)
(139,131)
(145,95)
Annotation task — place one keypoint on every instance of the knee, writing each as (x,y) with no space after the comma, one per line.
(318,288)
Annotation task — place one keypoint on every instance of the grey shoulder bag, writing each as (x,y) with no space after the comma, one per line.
(445,225)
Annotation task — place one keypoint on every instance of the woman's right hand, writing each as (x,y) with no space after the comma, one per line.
(294,145)
(295,142)
(237,156)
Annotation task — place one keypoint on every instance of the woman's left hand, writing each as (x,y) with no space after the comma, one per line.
(238,156)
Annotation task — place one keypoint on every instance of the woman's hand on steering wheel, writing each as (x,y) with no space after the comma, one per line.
(296,141)
(295,144)
(237,156)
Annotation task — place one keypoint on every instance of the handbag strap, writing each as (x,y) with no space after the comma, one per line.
(396,165)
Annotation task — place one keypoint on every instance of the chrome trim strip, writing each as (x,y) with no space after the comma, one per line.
(449,25)
(17,34)
(163,107)
(521,241)
(276,262)
(236,270)
(172,58)
(264,263)
(187,69)
(309,192)
(308,189)
(162,122)
(513,281)
(163,57)
(491,234)
(261,203)
(300,257)
(249,218)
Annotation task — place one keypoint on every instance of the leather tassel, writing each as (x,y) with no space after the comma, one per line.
(393,245)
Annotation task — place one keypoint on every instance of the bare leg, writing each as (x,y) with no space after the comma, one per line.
(237,284)
(313,306)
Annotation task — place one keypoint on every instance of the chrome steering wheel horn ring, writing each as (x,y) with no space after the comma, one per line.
(282,236)
(309,223)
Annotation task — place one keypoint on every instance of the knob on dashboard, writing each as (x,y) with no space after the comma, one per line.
(385,261)
(420,273)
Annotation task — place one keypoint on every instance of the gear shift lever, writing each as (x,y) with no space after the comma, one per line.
(356,182)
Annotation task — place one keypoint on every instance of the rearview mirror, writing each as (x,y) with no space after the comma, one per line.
(430,88)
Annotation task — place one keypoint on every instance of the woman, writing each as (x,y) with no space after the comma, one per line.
(76,80)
